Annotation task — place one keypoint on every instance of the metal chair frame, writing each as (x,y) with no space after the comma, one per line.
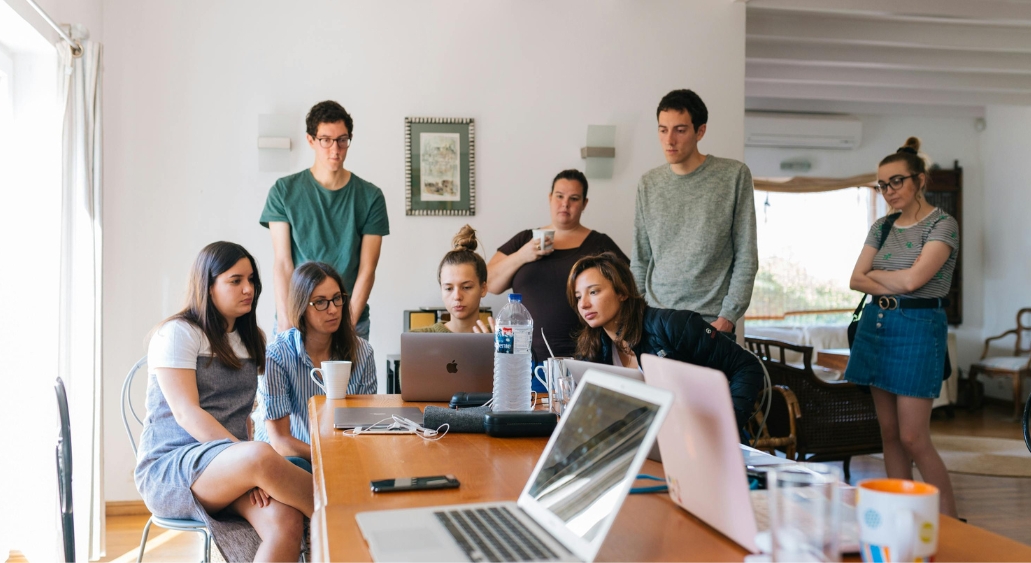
(181,525)
(64,472)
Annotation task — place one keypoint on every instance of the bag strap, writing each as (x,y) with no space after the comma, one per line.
(889,222)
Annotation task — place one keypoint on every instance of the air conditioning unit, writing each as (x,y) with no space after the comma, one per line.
(802,131)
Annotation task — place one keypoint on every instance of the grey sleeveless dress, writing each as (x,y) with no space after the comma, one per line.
(169,459)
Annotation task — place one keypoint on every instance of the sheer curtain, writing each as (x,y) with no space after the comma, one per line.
(79,359)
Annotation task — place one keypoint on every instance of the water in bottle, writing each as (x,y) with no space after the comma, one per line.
(513,335)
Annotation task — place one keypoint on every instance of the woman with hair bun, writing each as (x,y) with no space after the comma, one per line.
(900,345)
(462,275)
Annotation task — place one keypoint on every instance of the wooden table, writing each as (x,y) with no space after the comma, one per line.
(833,358)
(649,527)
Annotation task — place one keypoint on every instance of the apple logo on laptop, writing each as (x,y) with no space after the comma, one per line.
(452,367)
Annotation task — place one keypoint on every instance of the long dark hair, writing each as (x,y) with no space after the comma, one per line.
(344,342)
(463,251)
(631,311)
(214,260)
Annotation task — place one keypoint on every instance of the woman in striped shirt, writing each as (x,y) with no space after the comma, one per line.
(900,344)
(322,331)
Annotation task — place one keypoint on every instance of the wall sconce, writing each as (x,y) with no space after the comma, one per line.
(600,152)
(274,142)
(799,165)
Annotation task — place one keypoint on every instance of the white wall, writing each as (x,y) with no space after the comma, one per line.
(945,140)
(1007,231)
(186,81)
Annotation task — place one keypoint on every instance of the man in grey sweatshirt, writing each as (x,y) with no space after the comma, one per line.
(694,225)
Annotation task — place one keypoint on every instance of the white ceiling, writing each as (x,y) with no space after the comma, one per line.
(924,57)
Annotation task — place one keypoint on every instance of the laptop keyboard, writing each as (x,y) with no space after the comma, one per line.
(494,534)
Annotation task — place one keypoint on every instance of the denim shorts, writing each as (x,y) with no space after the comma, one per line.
(901,351)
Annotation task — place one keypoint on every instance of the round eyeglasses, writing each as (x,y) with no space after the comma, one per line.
(323,304)
(342,142)
(893,183)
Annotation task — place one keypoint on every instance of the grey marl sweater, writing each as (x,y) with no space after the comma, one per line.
(694,239)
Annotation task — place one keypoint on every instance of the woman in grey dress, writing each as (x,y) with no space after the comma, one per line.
(195,458)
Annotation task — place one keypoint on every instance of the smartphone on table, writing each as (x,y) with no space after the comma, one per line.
(415,483)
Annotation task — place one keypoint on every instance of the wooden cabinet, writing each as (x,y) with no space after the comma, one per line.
(946,191)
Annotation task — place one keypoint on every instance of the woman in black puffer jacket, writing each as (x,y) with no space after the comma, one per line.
(611,310)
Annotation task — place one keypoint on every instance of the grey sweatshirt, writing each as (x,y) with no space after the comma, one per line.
(694,239)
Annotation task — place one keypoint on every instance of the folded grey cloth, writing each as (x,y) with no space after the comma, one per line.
(459,420)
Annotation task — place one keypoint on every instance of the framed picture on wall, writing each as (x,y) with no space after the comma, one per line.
(440,166)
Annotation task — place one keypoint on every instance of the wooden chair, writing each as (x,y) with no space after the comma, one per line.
(779,431)
(836,419)
(1017,366)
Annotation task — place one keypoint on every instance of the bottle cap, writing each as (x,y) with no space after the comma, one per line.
(515,297)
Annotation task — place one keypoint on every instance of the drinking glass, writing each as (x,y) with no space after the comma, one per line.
(804,520)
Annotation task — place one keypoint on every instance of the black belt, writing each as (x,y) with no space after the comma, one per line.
(894,302)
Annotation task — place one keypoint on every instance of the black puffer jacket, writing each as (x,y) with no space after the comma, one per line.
(685,336)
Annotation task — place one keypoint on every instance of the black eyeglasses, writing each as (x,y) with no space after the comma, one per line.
(342,142)
(894,183)
(323,304)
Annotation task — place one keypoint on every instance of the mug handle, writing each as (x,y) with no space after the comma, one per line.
(317,382)
(544,381)
(905,524)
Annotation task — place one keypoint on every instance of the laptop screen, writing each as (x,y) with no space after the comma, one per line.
(582,478)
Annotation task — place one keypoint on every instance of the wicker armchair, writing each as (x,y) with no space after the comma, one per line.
(778,430)
(837,419)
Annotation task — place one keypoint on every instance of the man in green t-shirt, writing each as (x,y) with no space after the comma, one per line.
(327,214)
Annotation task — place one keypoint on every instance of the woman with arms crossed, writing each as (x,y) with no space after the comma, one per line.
(462,275)
(900,344)
(194,459)
(321,330)
(617,326)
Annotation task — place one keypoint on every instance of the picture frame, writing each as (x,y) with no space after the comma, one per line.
(440,166)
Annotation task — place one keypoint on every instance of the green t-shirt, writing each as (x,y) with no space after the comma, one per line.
(327,225)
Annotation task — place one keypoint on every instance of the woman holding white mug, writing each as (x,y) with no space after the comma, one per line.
(322,332)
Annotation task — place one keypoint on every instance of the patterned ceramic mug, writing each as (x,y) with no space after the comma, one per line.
(898,520)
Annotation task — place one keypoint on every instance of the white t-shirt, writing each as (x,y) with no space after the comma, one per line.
(178,343)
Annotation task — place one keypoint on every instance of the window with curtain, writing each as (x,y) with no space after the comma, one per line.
(808,245)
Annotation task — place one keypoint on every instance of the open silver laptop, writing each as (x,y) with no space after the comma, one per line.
(435,366)
(578,368)
(569,502)
(703,458)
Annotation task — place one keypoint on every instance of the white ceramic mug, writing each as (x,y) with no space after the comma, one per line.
(898,520)
(335,377)
(542,235)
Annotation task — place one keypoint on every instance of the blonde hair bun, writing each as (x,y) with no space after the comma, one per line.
(465,239)
(913,143)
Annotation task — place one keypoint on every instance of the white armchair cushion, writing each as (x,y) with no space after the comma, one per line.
(1004,362)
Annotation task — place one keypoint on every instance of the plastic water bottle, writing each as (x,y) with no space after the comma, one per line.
(513,335)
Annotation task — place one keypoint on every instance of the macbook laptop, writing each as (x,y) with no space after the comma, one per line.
(703,458)
(569,502)
(578,368)
(347,418)
(435,366)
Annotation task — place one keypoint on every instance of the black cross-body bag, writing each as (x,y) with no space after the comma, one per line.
(889,221)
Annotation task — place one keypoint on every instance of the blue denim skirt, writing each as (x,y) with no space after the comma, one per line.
(901,351)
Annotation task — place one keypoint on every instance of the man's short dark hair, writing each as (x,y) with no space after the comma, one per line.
(571,174)
(685,100)
(328,112)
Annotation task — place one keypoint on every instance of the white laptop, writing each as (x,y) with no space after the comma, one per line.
(569,502)
(578,368)
(703,459)
(435,366)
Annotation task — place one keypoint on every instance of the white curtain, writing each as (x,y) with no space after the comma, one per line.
(79,359)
